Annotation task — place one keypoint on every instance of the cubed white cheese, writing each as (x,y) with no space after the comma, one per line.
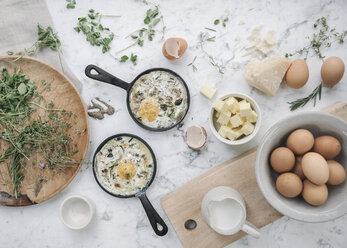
(218,105)
(224,118)
(235,121)
(208,91)
(253,117)
(223,130)
(247,128)
(245,109)
(234,134)
(230,101)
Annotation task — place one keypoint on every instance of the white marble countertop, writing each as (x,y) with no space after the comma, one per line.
(123,223)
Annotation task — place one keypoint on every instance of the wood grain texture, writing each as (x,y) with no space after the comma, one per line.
(64,95)
(185,202)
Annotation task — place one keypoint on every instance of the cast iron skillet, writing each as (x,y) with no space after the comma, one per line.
(154,218)
(106,77)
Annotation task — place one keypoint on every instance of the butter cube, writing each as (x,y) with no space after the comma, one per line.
(218,105)
(234,134)
(224,118)
(230,101)
(207,91)
(245,109)
(223,130)
(253,117)
(235,121)
(247,128)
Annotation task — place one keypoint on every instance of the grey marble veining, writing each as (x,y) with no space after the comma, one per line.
(123,222)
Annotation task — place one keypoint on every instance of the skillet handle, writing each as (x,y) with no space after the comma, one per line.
(153,216)
(106,77)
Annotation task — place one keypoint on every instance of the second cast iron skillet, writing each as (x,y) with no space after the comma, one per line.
(154,218)
(106,77)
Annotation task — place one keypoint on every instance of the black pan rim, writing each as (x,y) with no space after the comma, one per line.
(140,123)
(102,144)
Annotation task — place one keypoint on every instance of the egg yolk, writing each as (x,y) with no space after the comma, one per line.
(148,110)
(126,171)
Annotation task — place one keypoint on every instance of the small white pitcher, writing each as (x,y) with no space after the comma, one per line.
(225,212)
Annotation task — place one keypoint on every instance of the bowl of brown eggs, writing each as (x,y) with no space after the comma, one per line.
(301,166)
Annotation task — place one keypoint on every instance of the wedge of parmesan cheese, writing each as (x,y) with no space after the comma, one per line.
(267,75)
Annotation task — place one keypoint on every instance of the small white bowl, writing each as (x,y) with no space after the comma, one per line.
(245,139)
(76,212)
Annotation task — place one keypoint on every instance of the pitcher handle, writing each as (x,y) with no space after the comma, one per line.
(251,229)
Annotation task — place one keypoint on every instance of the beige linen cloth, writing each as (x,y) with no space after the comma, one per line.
(18,30)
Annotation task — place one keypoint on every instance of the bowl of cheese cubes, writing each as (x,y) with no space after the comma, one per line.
(235,118)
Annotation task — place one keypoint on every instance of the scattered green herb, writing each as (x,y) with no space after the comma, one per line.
(223,19)
(46,38)
(26,136)
(38,184)
(302,101)
(192,64)
(203,37)
(96,34)
(324,38)
(211,29)
(70,4)
(152,19)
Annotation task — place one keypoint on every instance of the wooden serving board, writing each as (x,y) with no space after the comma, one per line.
(185,202)
(64,95)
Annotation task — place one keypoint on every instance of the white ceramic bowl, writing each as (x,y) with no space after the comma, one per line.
(245,139)
(76,212)
(296,208)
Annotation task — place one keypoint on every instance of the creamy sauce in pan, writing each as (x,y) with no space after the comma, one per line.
(124,165)
(158,99)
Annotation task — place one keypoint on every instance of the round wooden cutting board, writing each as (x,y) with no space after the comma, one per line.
(64,95)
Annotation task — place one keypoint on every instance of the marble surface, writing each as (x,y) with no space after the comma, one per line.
(122,222)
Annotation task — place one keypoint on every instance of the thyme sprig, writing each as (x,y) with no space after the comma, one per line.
(203,38)
(299,103)
(46,38)
(152,19)
(96,34)
(323,38)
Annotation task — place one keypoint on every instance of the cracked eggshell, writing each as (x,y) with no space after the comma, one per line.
(174,48)
(196,137)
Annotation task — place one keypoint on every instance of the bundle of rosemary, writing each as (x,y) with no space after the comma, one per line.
(29,136)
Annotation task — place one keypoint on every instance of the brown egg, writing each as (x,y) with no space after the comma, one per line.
(337,173)
(298,168)
(315,168)
(332,70)
(289,184)
(327,146)
(282,159)
(300,141)
(314,194)
(173,48)
(297,74)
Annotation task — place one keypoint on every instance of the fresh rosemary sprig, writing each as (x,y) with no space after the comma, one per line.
(27,136)
(46,38)
(323,38)
(70,4)
(192,64)
(96,34)
(299,103)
